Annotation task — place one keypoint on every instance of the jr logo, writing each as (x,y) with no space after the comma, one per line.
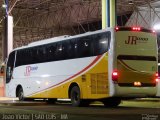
(131,40)
(29,70)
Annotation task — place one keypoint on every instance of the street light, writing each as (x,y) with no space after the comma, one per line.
(4,6)
(156,27)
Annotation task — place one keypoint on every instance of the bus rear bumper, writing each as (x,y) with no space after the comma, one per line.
(134,91)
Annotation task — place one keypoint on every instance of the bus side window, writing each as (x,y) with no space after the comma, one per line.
(41,54)
(59,50)
(50,52)
(65,50)
(18,59)
(28,54)
(34,55)
(25,59)
(72,47)
(10,65)
(84,47)
(101,43)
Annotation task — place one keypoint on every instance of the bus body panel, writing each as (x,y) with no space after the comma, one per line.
(134,92)
(92,80)
(53,79)
(87,81)
(158,89)
(132,67)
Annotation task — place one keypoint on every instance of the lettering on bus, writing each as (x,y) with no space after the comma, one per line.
(29,70)
(134,40)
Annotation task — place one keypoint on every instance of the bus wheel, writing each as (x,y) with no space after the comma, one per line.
(21,94)
(75,96)
(111,102)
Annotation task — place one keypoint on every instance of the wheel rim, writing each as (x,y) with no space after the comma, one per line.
(75,96)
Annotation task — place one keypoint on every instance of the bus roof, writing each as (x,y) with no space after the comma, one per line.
(60,38)
(48,40)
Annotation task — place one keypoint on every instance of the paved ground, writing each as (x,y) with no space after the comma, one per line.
(128,110)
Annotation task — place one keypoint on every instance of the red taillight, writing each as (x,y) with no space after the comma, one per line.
(156,74)
(156,77)
(153,31)
(139,29)
(136,28)
(133,28)
(115,75)
(117,28)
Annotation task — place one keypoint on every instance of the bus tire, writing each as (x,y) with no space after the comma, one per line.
(21,94)
(75,96)
(111,102)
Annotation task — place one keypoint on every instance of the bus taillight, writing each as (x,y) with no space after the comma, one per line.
(115,75)
(117,28)
(136,28)
(156,77)
(157,80)
(153,31)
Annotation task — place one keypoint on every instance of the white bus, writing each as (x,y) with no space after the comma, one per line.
(106,65)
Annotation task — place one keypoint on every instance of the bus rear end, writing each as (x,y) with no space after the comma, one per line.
(134,72)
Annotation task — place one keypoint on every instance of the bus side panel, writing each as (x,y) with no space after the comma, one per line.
(52,79)
(93,83)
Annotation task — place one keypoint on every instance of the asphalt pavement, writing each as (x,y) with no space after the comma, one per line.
(139,109)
